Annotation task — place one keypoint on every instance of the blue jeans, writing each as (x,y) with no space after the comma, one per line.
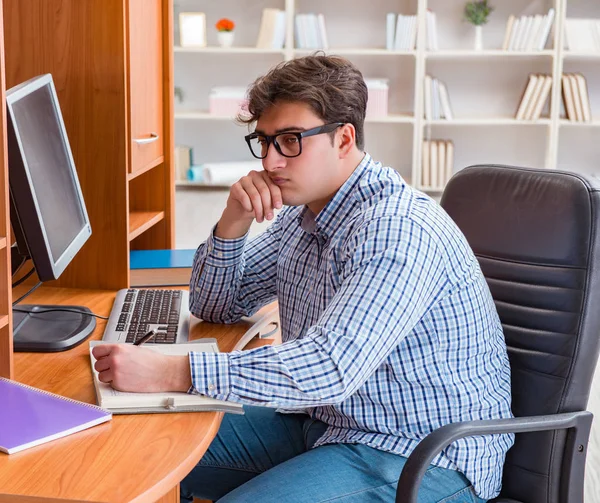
(266,457)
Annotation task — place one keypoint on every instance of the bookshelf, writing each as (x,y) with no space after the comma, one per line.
(484,86)
(111,61)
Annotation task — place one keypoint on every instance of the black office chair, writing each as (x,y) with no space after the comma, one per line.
(536,235)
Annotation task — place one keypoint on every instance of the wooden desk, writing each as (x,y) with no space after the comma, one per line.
(133,458)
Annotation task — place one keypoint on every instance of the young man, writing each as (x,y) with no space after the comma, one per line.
(389,330)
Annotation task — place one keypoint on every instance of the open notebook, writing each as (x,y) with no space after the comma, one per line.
(119,402)
(30,416)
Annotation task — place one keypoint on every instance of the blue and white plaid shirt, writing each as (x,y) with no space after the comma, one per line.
(388,326)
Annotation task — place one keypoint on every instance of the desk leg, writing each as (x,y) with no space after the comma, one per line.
(171,497)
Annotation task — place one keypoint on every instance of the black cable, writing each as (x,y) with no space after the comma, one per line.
(19,281)
(37,311)
(30,291)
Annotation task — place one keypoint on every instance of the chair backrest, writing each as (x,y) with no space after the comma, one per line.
(536,236)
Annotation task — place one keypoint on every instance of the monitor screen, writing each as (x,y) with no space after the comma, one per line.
(45,191)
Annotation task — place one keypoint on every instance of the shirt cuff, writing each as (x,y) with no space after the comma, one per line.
(224,252)
(210,374)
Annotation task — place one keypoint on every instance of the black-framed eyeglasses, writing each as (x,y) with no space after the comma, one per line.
(288,144)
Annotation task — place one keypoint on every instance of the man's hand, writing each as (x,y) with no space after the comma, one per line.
(134,368)
(254,196)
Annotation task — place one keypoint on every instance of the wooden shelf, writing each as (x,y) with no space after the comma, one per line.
(2,243)
(205,116)
(3,320)
(460,54)
(141,221)
(486,122)
(357,51)
(229,50)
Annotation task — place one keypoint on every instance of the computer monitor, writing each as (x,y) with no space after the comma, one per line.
(48,213)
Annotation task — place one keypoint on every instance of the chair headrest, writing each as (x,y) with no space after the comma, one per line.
(525,215)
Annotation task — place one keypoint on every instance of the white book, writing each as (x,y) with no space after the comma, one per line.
(313,29)
(265,32)
(413,33)
(534,33)
(508,32)
(400,32)
(427,95)
(576,97)
(514,33)
(323,32)
(584,97)
(433,162)
(278,41)
(449,160)
(543,98)
(390,33)
(119,402)
(534,97)
(298,32)
(525,29)
(435,99)
(436,45)
(445,101)
(568,98)
(547,27)
(441,166)
(425,165)
(526,99)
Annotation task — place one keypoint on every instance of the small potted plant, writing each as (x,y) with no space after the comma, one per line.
(477,14)
(225,28)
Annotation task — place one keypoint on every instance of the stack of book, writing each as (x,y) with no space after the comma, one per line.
(575,97)
(432,37)
(311,32)
(271,34)
(437,163)
(528,33)
(401,32)
(582,34)
(437,100)
(377,104)
(534,97)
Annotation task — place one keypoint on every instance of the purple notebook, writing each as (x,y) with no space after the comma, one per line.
(30,416)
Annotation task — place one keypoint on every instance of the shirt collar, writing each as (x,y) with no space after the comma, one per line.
(340,206)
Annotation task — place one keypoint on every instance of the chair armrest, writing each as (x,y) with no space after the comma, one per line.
(420,459)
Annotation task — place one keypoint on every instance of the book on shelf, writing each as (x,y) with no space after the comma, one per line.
(160,267)
(582,34)
(437,163)
(401,32)
(30,416)
(575,97)
(377,103)
(182,160)
(431,31)
(227,100)
(437,100)
(534,97)
(222,173)
(120,402)
(271,34)
(528,33)
(311,32)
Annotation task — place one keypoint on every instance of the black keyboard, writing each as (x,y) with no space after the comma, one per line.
(142,308)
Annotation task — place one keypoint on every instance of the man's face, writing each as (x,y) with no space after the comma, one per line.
(311,178)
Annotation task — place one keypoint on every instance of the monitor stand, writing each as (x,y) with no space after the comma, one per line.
(48,332)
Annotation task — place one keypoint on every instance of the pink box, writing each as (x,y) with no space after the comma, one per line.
(227,101)
(377,104)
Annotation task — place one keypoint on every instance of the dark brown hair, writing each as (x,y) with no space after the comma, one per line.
(331,85)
